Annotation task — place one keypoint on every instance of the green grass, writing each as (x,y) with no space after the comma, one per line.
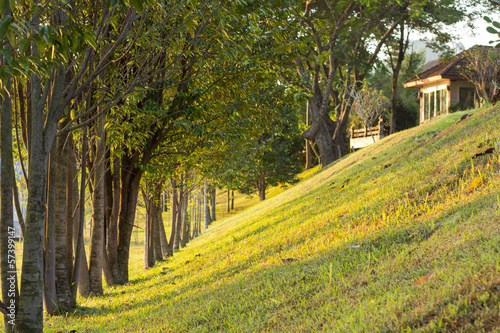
(397,237)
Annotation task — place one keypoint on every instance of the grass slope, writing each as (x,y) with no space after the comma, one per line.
(402,236)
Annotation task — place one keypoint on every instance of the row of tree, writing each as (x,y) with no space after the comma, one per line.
(111,99)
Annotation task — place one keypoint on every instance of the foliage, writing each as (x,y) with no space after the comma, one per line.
(407,107)
(275,153)
(368,103)
(480,67)
(494,29)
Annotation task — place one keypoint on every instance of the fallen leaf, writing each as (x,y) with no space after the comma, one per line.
(198,255)
(416,214)
(188,261)
(430,233)
(341,187)
(465,116)
(374,158)
(173,283)
(288,260)
(490,150)
(373,272)
(422,280)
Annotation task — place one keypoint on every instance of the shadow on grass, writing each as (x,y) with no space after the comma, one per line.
(268,292)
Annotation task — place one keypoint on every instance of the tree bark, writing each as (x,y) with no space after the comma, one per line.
(261,186)
(149,260)
(232,199)
(174,217)
(156,214)
(206,205)
(403,46)
(180,215)
(130,181)
(112,230)
(186,221)
(213,202)
(98,216)
(8,269)
(80,274)
(163,236)
(49,288)
(308,145)
(62,276)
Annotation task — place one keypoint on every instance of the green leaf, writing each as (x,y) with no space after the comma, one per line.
(3,5)
(487,19)
(496,24)
(11,37)
(491,30)
(6,55)
(24,45)
(4,26)
(138,5)
(90,39)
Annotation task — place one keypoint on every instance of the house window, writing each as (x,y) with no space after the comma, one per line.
(466,98)
(435,103)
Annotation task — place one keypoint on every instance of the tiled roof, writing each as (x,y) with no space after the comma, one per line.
(450,69)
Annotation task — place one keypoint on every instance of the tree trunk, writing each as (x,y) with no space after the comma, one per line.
(10,295)
(163,236)
(62,276)
(195,214)
(80,274)
(308,145)
(213,203)
(131,178)
(228,200)
(403,46)
(148,232)
(174,217)
(206,206)
(232,199)
(156,214)
(98,214)
(112,231)
(49,288)
(71,204)
(179,221)
(186,220)
(261,186)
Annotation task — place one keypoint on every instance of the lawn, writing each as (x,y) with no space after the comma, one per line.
(401,236)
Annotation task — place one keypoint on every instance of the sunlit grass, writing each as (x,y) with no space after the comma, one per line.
(391,238)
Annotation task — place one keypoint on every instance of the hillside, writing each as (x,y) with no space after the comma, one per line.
(400,236)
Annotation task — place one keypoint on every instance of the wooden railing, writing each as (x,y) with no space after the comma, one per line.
(376,130)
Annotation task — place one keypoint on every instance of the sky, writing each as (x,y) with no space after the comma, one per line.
(468,37)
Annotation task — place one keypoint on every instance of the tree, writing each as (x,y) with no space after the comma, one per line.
(368,103)
(479,65)
(339,44)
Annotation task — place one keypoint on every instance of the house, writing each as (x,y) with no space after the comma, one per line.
(442,87)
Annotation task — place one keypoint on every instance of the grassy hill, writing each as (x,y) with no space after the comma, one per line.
(402,236)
